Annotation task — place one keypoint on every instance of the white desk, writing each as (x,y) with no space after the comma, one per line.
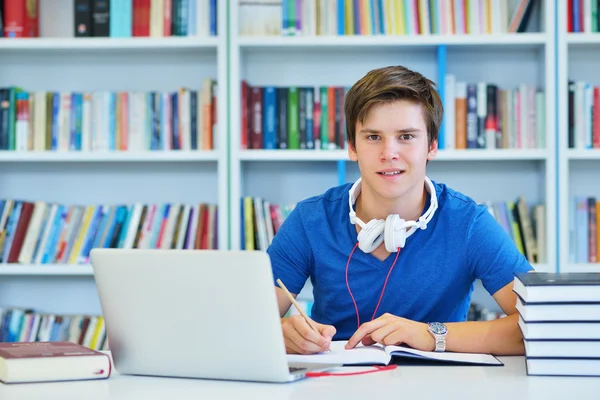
(415,382)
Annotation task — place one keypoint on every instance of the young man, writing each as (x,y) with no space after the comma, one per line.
(393,257)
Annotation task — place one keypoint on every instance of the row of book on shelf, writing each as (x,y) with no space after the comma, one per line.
(483,115)
(584,115)
(108,18)
(184,119)
(559,317)
(383,17)
(584,234)
(53,233)
(477,116)
(27,325)
(260,220)
(583,16)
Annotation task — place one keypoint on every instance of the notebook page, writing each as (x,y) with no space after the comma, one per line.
(338,355)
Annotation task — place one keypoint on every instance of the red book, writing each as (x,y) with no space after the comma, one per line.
(141,18)
(168,17)
(23,362)
(14,19)
(22,225)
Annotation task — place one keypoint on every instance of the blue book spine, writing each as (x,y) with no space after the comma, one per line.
(102,228)
(148,121)
(53,234)
(113,223)
(442,66)
(55,108)
(357,17)
(269,118)
(78,97)
(213,17)
(408,19)
(242,226)
(194,118)
(83,257)
(14,327)
(310,137)
(381,18)
(192,18)
(175,121)
(125,228)
(575,16)
(341,21)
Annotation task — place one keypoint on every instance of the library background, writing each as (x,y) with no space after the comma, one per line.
(200,123)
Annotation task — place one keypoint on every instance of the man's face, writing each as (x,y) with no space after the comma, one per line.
(392,150)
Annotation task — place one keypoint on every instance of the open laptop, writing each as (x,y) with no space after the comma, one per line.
(193,313)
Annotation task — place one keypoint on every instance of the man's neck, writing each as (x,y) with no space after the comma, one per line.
(370,206)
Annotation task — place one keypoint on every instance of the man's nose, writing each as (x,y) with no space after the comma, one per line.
(390,149)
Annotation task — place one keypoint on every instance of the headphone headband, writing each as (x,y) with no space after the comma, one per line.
(421,223)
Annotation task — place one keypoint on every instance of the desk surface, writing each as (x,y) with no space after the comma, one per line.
(406,382)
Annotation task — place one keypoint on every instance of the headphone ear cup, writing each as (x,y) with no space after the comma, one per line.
(371,236)
(394,233)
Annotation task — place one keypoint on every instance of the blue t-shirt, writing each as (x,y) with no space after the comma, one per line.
(432,280)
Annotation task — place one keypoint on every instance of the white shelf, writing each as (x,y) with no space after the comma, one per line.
(443,155)
(583,154)
(583,267)
(351,42)
(104,43)
(583,38)
(43,270)
(147,156)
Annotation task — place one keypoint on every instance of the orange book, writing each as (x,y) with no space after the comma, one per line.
(460,110)
(24,362)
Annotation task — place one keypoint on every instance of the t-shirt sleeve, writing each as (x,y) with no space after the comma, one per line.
(290,253)
(493,256)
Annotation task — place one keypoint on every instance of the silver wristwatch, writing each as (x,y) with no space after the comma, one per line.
(439,332)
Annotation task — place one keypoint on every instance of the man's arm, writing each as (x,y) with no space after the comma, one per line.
(283,301)
(499,337)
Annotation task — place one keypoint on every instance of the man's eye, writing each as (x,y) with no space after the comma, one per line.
(406,136)
(373,137)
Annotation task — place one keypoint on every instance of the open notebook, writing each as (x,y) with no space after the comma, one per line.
(383,355)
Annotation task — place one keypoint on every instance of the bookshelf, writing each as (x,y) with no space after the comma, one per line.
(578,60)
(287,176)
(109,177)
(226,174)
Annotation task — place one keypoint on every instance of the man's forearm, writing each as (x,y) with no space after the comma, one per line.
(499,337)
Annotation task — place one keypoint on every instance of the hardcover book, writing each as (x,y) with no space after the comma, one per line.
(23,362)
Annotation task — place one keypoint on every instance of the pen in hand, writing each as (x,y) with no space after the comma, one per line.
(291,298)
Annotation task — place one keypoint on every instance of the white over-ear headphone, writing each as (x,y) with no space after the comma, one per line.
(392,230)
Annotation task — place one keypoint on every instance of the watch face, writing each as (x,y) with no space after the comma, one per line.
(438,328)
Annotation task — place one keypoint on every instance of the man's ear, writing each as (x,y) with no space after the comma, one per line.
(352,152)
(433,150)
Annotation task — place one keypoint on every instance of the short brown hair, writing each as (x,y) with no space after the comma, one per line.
(389,84)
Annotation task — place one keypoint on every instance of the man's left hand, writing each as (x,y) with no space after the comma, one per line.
(390,329)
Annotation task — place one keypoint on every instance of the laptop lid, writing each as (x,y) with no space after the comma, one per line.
(191,313)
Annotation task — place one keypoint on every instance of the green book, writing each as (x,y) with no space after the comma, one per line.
(293,122)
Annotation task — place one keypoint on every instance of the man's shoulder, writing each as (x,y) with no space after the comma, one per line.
(332,197)
(452,200)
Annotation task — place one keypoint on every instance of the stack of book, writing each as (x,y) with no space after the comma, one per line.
(559,316)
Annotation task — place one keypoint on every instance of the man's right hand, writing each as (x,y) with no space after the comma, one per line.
(300,338)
